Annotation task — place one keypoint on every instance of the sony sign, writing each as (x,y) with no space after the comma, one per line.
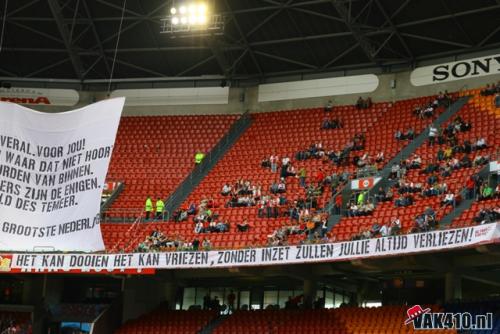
(458,70)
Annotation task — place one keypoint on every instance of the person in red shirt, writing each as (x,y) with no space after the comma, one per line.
(320,176)
(338,204)
(469,186)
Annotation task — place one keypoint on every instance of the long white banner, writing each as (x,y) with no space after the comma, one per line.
(52,169)
(341,251)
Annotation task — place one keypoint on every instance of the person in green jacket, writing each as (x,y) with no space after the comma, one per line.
(198,157)
(361,198)
(148,207)
(487,192)
(160,206)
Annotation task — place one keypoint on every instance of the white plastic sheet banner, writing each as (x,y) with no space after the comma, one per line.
(282,255)
(52,171)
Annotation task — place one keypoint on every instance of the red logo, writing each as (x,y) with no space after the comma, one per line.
(414,312)
(365,183)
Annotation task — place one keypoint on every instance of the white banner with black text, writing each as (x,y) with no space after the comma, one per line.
(328,252)
(52,171)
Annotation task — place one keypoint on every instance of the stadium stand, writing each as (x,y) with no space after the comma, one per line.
(15,322)
(153,154)
(168,322)
(276,133)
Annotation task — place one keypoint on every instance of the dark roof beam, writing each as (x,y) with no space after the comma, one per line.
(307,44)
(96,37)
(388,21)
(38,32)
(287,60)
(358,34)
(56,10)
(48,67)
(340,56)
(457,22)
(437,40)
(491,34)
(190,68)
(245,41)
(137,67)
(267,19)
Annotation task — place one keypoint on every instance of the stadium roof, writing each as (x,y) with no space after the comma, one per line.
(75,39)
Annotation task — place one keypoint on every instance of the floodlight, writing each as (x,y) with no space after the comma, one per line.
(175,20)
(202,8)
(184,20)
(192,9)
(192,19)
(173,10)
(182,9)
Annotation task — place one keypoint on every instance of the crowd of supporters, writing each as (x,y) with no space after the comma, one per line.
(306,217)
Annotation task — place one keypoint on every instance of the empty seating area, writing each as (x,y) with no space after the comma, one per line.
(282,322)
(163,321)
(153,154)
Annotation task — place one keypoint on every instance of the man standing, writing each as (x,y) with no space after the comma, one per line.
(230,301)
(160,206)
(302,177)
(148,207)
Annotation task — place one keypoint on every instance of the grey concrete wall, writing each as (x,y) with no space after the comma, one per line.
(242,99)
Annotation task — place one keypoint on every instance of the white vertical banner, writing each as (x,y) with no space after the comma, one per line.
(52,172)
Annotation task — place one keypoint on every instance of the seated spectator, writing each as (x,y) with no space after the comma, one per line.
(273,160)
(379,157)
(198,228)
(403,201)
(395,169)
(416,161)
(432,179)
(449,199)
(486,192)
(325,125)
(395,227)
(480,160)
(385,230)
(410,133)
(226,189)
(399,135)
(266,162)
(480,144)
(222,226)
(243,226)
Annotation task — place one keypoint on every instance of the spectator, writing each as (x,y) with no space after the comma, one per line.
(206,244)
(198,157)
(160,207)
(273,159)
(302,177)
(449,199)
(433,132)
(243,226)
(486,192)
(395,226)
(148,207)
(226,189)
(480,144)
(329,106)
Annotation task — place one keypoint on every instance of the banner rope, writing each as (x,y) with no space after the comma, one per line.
(3,24)
(116,47)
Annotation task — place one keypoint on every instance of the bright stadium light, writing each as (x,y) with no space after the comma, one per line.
(192,17)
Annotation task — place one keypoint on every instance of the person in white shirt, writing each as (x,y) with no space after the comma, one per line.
(226,190)
(480,143)
(384,230)
(449,199)
(433,131)
(285,161)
